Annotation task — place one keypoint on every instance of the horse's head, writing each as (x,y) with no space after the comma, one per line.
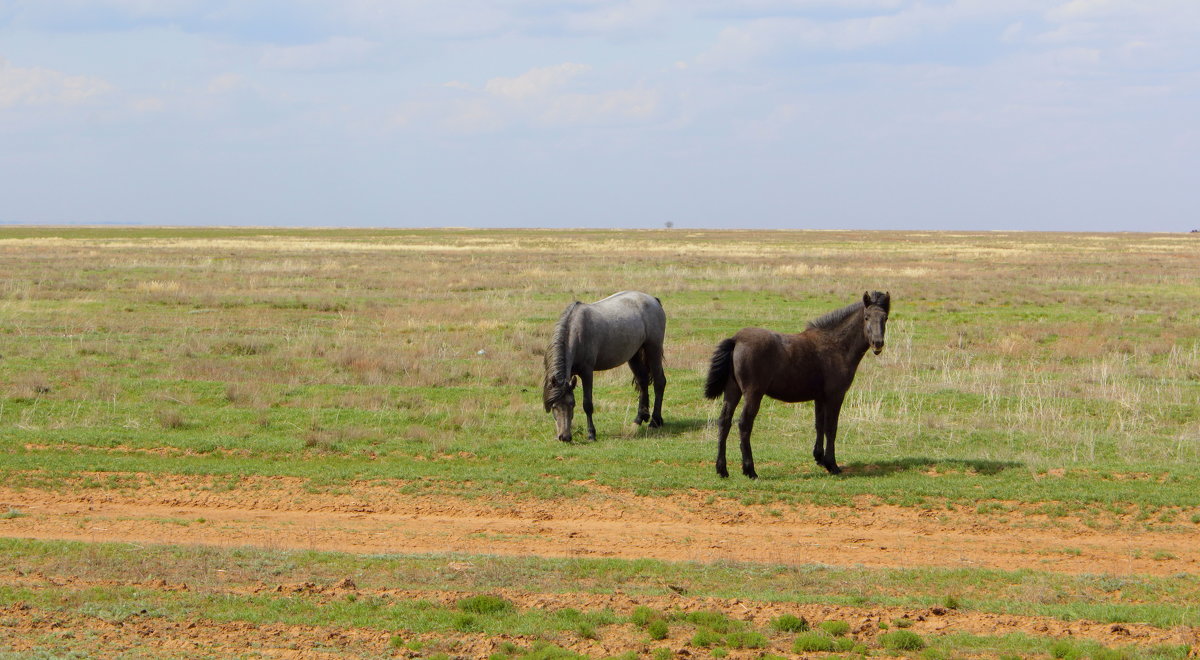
(562,406)
(876,306)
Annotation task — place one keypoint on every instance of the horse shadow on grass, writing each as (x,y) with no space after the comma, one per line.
(981,467)
(673,426)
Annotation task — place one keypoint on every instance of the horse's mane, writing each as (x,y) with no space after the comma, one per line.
(558,378)
(832,319)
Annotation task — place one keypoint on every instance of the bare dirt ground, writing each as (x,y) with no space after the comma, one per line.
(27,629)
(369,518)
(279,513)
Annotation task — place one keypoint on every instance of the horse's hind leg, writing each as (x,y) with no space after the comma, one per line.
(745,427)
(732,396)
(654,362)
(641,380)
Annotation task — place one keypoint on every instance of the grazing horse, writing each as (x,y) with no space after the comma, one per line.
(624,327)
(816,365)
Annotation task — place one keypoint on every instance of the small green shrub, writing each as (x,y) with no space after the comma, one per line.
(746,639)
(1065,650)
(464,622)
(484,604)
(902,640)
(835,628)
(706,637)
(1103,653)
(661,654)
(903,622)
(808,642)
(717,621)
(586,631)
(642,616)
(547,651)
(789,623)
(658,629)
(950,602)
(508,648)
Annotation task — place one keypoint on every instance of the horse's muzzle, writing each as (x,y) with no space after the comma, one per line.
(877,349)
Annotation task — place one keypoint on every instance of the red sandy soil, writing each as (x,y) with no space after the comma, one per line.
(279,513)
(371,518)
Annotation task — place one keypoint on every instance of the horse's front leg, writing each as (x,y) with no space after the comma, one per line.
(833,409)
(745,427)
(732,396)
(585,378)
(819,422)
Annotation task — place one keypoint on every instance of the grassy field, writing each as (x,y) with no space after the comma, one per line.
(1056,373)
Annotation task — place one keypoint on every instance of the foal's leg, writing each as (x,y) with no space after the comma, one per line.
(654,362)
(832,410)
(585,378)
(819,419)
(732,396)
(641,379)
(745,426)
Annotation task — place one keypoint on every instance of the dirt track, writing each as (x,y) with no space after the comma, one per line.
(370,518)
(278,513)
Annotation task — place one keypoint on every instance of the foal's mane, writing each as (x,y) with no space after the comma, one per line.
(557,379)
(832,319)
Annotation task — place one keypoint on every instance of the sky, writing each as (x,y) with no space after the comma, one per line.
(1074,115)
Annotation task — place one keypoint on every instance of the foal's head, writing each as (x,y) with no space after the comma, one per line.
(875,313)
(561,404)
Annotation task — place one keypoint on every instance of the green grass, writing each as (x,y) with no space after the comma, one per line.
(902,640)
(809,642)
(1025,374)
(357,357)
(1161,601)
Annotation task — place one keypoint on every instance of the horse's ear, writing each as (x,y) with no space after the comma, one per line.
(887,301)
(573,381)
(866,298)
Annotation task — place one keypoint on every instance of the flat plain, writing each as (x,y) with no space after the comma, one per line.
(319,443)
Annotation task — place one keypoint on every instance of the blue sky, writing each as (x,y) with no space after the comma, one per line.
(874,114)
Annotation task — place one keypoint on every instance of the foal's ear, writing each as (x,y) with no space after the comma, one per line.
(574,380)
(866,298)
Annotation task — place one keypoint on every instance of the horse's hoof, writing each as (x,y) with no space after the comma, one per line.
(833,468)
(656,423)
(722,472)
(749,472)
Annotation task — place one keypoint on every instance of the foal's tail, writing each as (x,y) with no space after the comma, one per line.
(719,370)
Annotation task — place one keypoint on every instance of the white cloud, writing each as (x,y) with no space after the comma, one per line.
(38,86)
(329,54)
(623,104)
(535,82)
(225,83)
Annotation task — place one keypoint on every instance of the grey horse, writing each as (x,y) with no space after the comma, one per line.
(624,327)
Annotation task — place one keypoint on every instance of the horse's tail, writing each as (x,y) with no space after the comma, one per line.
(718,371)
